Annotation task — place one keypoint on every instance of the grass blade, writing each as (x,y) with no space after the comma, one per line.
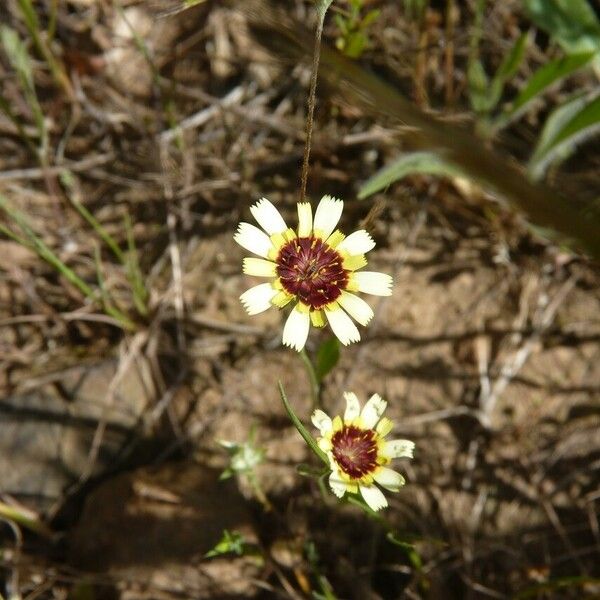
(539,82)
(426,163)
(567,126)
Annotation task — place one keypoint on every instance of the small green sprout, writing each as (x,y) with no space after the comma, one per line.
(231,543)
(244,458)
(354,35)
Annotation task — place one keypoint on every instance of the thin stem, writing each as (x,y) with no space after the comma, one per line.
(322,7)
(312,379)
(300,427)
(259,492)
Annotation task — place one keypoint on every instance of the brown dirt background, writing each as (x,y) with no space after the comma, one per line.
(488,351)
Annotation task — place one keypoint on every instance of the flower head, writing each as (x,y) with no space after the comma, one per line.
(358,451)
(316,267)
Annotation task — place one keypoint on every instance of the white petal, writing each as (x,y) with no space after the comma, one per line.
(389,479)
(373,496)
(342,325)
(352,406)
(304,219)
(399,448)
(268,217)
(253,239)
(259,267)
(321,421)
(296,328)
(327,215)
(258,298)
(356,307)
(338,487)
(371,282)
(373,410)
(359,242)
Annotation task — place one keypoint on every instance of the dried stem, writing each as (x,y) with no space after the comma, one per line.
(322,7)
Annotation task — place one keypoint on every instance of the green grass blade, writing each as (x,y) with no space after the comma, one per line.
(425,163)
(134,273)
(66,178)
(566,127)
(546,76)
(572,23)
(37,244)
(33,27)
(20,61)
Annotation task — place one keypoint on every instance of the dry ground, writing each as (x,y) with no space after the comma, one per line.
(488,352)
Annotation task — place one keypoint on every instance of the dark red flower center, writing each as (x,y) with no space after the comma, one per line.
(312,270)
(355,450)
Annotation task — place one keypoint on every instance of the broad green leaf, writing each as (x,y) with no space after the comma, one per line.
(572,23)
(328,355)
(426,163)
(540,81)
(567,126)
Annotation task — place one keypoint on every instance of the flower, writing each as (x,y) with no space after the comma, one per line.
(315,267)
(358,451)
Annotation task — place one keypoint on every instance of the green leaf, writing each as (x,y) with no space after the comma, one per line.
(572,23)
(507,69)
(567,126)
(512,61)
(328,355)
(479,85)
(540,81)
(231,543)
(426,163)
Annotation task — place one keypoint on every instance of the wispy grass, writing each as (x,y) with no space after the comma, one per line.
(28,238)
(20,61)
(32,24)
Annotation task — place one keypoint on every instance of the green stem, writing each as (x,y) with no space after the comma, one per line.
(300,427)
(24,518)
(259,492)
(312,379)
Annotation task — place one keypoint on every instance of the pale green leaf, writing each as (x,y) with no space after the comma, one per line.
(567,126)
(426,163)
(540,81)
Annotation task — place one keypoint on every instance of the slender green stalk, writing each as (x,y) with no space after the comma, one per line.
(315,388)
(100,230)
(259,492)
(300,427)
(134,273)
(107,305)
(24,518)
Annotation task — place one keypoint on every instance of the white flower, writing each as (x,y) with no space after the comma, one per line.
(358,451)
(315,267)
